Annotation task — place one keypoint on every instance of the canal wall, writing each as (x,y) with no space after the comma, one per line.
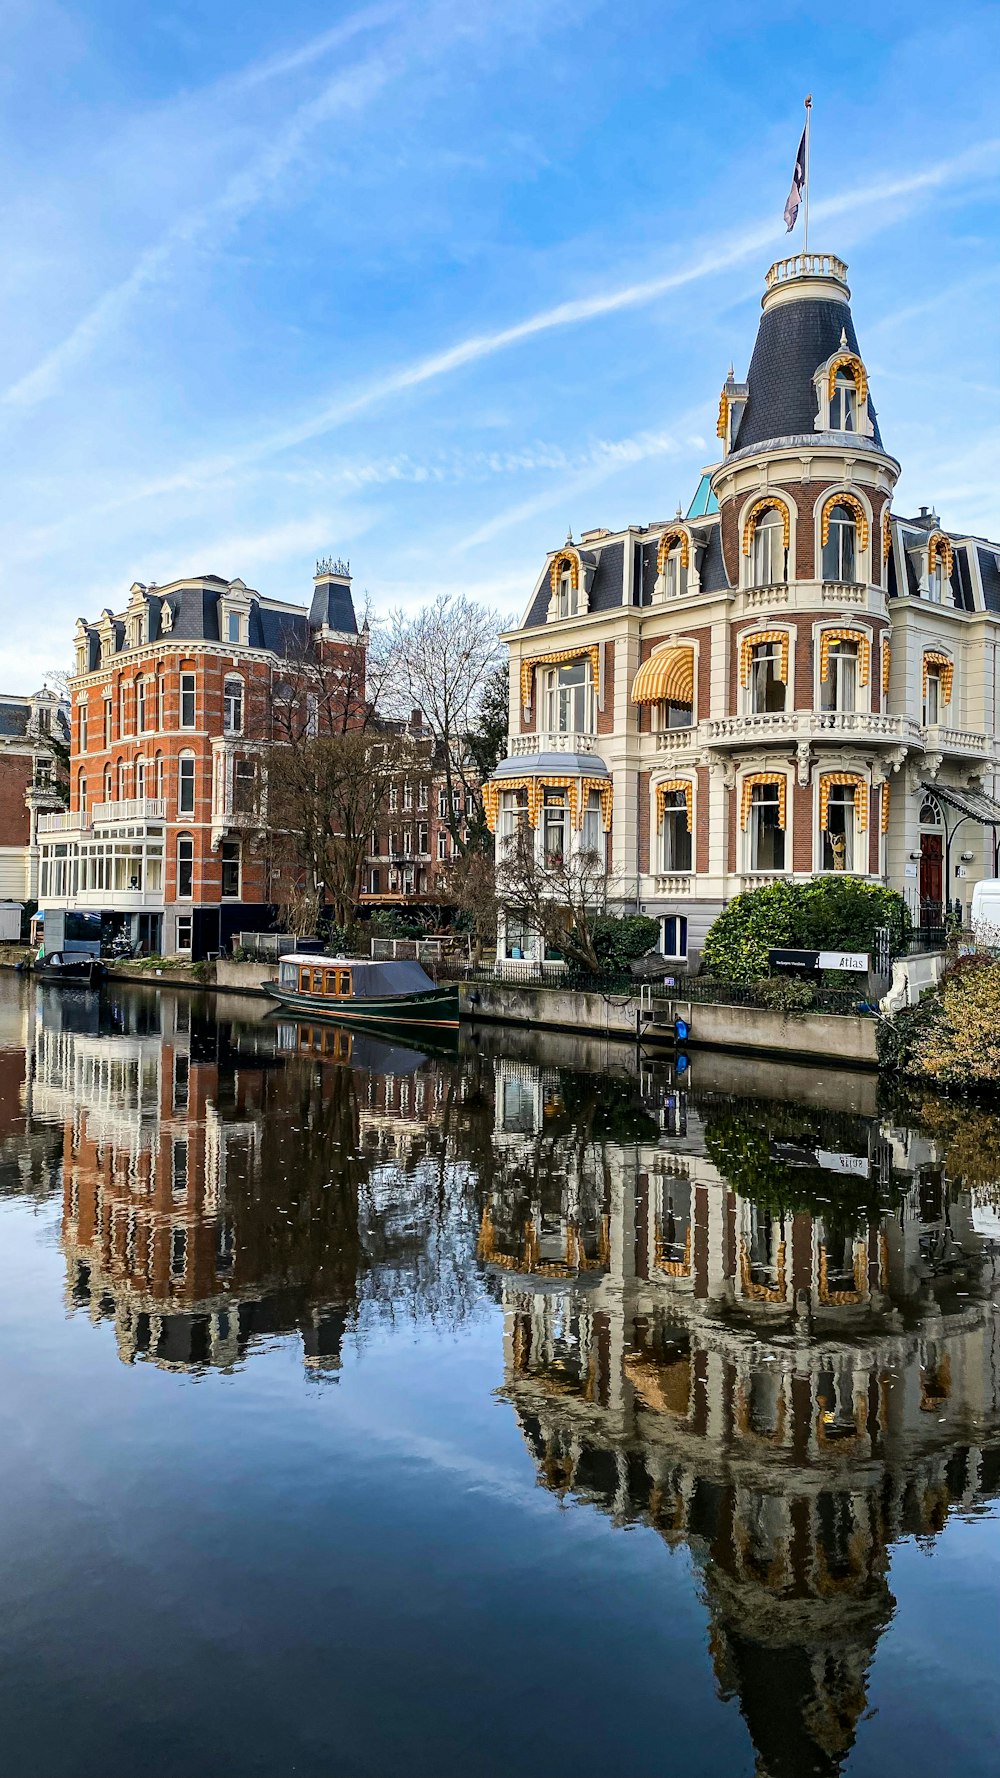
(844,1040)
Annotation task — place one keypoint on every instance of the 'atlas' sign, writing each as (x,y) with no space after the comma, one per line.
(798,962)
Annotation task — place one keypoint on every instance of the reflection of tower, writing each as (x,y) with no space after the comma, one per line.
(787,1382)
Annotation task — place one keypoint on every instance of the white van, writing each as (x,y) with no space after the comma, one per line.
(986,911)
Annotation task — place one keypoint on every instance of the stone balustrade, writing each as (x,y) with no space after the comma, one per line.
(548,741)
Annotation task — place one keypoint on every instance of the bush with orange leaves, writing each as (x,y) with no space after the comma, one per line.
(957,1044)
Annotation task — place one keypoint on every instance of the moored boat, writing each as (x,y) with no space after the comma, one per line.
(358,990)
(77,970)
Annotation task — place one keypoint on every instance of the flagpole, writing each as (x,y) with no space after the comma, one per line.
(807,170)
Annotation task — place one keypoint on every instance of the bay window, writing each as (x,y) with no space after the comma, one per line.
(554,829)
(569,699)
(840,549)
(844,403)
(592,835)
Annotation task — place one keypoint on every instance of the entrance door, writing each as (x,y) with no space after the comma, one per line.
(931,875)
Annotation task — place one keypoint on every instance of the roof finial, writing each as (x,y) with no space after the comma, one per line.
(678,514)
(569,534)
(843,337)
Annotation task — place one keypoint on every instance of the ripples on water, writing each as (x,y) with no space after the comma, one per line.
(555,1293)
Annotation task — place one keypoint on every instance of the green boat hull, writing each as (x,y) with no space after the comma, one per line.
(436,1010)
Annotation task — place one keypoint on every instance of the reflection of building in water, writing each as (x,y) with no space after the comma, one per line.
(786,1390)
(171,1143)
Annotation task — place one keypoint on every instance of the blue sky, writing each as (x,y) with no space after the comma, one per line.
(425,284)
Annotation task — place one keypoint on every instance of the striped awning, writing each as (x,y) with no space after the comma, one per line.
(667,676)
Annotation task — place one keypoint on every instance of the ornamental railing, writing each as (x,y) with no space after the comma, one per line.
(806,265)
(550,741)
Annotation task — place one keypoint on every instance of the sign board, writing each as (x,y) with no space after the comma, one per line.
(798,961)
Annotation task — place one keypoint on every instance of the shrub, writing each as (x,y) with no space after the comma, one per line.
(957,1042)
(785,994)
(619,938)
(836,912)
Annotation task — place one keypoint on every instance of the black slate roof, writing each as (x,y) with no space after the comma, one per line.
(333,606)
(714,578)
(990,574)
(606,587)
(14,720)
(793,340)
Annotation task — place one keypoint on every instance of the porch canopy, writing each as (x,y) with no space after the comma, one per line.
(974,805)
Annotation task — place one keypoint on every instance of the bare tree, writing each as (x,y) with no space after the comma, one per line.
(440,660)
(561,898)
(469,882)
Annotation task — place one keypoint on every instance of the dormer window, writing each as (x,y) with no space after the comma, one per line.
(935,583)
(844,403)
(675,574)
(565,581)
(234,626)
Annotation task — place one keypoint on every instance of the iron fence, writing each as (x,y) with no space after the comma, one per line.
(697,990)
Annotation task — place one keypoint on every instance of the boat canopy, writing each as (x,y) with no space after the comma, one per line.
(369,980)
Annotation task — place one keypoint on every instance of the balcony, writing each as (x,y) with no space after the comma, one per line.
(872,727)
(674,883)
(64,822)
(848,592)
(806,265)
(547,741)
(135,808)
(956,740)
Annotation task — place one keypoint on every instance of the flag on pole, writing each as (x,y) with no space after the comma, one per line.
(794,197)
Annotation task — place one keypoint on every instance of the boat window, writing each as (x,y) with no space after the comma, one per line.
(332,985)
(344,981)
(304,976)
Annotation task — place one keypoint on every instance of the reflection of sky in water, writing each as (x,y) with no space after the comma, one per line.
(469,1420)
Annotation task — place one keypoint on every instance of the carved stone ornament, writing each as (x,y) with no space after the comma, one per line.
(803,764)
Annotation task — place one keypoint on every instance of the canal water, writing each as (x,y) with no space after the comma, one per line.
(536,1410)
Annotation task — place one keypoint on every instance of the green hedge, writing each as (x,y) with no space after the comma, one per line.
(828,913)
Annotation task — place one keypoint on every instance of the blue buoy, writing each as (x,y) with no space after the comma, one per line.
(681,1030)
(681,1065)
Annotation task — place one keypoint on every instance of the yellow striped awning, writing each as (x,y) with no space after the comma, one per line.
(668,675)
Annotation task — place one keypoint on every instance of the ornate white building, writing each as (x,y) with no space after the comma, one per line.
(790,679)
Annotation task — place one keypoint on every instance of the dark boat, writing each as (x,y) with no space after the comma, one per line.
(80,971)
(357,991)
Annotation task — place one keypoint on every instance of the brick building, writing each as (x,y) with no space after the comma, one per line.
(789,679)
(29,784)
(423,817)
(175,702)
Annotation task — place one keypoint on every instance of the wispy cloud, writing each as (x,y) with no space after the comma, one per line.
(720,256)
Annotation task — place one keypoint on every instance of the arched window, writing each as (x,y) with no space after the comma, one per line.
(769,557)
(564,581)
(232,706)
(140,777)
(840,550)
(844,402)
(839,690)
(185,784)
(108,785)
(185,866)
(930,812)
(673,554)
(81,792)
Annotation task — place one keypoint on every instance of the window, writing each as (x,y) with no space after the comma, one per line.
(675,575)
(81,793)
(157,785)
(185,784)
(232,707)
(933,702)
(513,814)
(373,883)
(141,707)
(140,777)
(442,805)
(516,938)
(157,706)
(184,929)
(839,835)
(769,553)
(844,404)
(840,549)
(672,713)
(675,838)
(123,710)
(767,688)
(839,689)
(108,785)
(423,840)
(393,798)
(554,814)
(442,844)
(767,838)
(122,780)
(245,787)
(83,728)
(408,842)
(421,796)
(674,935)
(567,596)
(234,627)
(178,1251)
(181,1081)
(109,721)
(407,795)
(935,582)
(187,700)
(592,833)
(569,699)
(185,878)
(231,868)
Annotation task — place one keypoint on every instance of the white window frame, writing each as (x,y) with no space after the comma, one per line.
(185,840)
(772,651)
(771,525)
(676,808)
(233,691)
(566,700)
(751,833)
(187,781)
(188,690)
